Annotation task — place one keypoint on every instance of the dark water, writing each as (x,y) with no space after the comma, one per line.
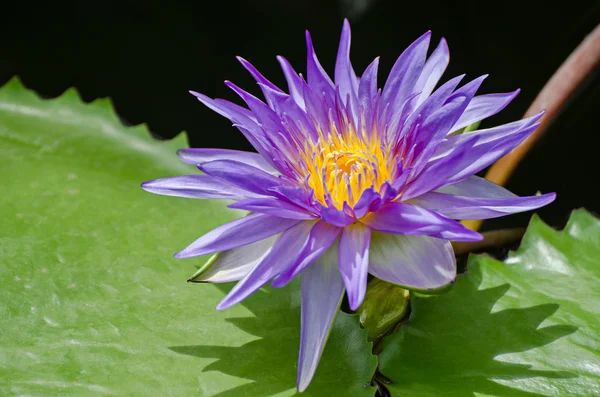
(147,54)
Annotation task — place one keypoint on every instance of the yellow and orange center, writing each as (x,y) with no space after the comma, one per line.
(344,166)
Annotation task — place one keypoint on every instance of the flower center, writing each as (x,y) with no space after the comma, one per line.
(340,169)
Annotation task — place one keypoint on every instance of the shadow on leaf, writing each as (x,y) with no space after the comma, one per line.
(271,361)
(452,343)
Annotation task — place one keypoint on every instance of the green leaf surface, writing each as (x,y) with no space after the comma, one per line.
(92,301)
(526,327)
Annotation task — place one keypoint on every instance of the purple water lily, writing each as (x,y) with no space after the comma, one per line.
(350,179)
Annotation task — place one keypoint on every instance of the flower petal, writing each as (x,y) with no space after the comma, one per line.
(484,106)
(404,218)
(478,198)
(335,217)
(353,261)
(200,156)
(195,186)
(241,175)
(413,262)
(321,237)
(476,186)
(281,255)
(234,264)
(405,73)
(322,292)
(317,78)
(273,206)
(294,81)
(257,75)
(458,207)
(484,136)
(432,71)
(243,231)
(345,77)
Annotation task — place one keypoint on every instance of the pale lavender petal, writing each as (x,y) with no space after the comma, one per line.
(322,292)
(273,206)
(195,186)
(321,237)
(282,254)
(476,186)
(404,218)
(432,71)
(458,207)
(415,262)
(243,231)
(353,261)
(235,264)
(201,156)
(241,175)
(405,73)
(294,81)
(345,77)
(484,106)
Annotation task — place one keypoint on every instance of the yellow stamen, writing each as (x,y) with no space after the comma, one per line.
(344,166)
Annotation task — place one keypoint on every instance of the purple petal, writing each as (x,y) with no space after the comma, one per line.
(195,186)
(404,218)
(243,231)
(484,106)
(367,93)
(413,262)
(477,198)
(345,77)
(294,81)
(292,116)
(405,73)
(201,156)
(242,118)
(241,175)
(317,78)
(294,195)
(322,292)
(236,263)
(335,217)
(432,71)
(484,154)
(458,207)
(436,173)
(273,206)
(368,201)
(353,261)
(321,237)
(257,75)
(266,117)
(485,136)
(281,255)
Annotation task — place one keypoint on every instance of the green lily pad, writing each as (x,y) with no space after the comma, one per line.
(92,301)
(526,327)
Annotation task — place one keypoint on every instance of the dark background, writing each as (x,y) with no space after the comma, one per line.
(146,55)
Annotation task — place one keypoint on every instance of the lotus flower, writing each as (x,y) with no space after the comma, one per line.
(350,179)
